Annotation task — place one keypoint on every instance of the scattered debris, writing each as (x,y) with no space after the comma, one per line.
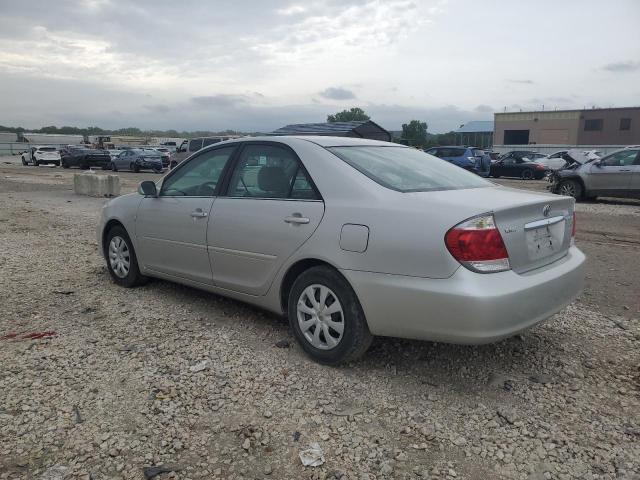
(57,472)
(345,411)
(64,292)
(200,366)
(296,436)
(28,336)
(151,472)
(76,411)
(313,456)
(283,343)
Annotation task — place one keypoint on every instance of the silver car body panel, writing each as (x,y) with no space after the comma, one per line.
(407,282)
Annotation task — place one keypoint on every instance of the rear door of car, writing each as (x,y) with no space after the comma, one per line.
(634,189)
(612,174)
(270,208)
(171,229)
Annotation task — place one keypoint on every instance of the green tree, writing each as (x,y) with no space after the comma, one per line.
(415,132)
(352,115)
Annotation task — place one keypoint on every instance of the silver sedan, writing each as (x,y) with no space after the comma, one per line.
(350,238)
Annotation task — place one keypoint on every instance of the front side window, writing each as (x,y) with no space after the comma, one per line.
(270,171)
(198,177)
(623,158)
(407,169)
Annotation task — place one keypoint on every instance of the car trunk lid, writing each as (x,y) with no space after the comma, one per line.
(535,227)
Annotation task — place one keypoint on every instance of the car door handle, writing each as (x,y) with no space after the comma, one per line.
(297,220)
(198,213)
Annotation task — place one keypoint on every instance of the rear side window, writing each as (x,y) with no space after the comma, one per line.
(407,169)
(270,171)
(209,141)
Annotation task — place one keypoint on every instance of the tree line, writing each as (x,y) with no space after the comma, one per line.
(414,132)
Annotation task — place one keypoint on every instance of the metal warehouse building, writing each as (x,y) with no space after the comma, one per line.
(478,133)
(598,126)
(365,129)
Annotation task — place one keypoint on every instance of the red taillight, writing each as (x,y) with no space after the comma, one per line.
(573,227)
(477,244)
(539,167)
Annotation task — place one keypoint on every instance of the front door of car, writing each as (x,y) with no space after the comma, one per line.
(507,167)
(121,160)
(270,209)
(612,174)
(171,229)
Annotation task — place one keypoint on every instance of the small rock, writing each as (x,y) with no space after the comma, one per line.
(459,441)
(200,366)
(283,343)
(246,444)
(268,470)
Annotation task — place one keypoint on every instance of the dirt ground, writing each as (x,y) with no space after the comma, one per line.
(123,380)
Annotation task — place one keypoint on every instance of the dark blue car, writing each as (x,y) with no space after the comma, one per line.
(473,159)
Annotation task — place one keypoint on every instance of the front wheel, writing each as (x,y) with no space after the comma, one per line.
(122,262)
(64,164)
(326,317)
(571,188)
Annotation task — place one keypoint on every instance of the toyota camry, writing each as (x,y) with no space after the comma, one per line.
(350,238)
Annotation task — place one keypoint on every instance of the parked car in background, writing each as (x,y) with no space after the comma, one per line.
(83,157)
(585,177)
(114,152)
(519,168)
(136,159)
(493,155)
(41,156)
(555,161)
(165,154)
(190,146)
(350,238)
(469,158)
(521,154)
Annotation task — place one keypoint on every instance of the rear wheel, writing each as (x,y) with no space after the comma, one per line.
(24,162)
(135,167)
(122,262)
(526,174)
(64,164)
(571,188)
(326,317)
(84,165)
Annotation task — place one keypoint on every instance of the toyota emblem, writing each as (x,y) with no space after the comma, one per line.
(546,210)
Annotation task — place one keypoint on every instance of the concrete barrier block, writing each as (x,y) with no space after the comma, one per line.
(93,185)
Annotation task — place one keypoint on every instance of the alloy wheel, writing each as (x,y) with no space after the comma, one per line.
(119,256)
(568,189)
(320,317)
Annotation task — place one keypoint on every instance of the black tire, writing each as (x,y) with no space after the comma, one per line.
(133,277)
(57,164)
(356,337)
(571,188)
(24,162)
(84,165)
(527,174)
(113,167)
(64,164)
(495,175)
(135,167)
(36,163)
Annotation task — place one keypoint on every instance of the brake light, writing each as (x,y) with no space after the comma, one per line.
(477,244)
(539,167)
(573,227)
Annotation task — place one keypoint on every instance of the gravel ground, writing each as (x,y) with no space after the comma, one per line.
(164,375)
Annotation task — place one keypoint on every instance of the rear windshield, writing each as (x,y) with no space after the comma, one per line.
(47,149)
(407,169)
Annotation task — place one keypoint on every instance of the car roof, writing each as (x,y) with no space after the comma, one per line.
(323,141)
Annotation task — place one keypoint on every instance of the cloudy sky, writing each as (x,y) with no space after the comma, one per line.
(257,65)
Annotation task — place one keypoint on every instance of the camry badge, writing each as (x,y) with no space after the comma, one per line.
(546,210)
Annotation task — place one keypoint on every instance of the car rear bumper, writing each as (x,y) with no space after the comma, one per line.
(467,308)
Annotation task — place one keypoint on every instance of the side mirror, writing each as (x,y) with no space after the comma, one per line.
(148,189)
(598,163)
